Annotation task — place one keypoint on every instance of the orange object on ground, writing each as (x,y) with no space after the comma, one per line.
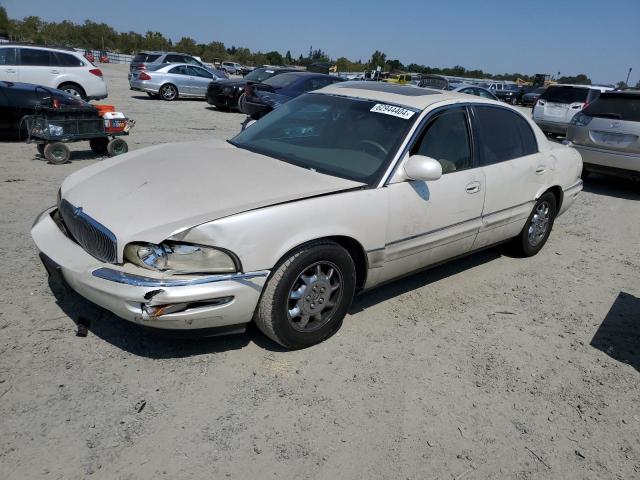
(102,109)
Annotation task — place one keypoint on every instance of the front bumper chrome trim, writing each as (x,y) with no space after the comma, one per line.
(141,281)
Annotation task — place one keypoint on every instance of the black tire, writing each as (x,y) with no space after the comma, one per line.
(168,92)
(40,148)
(57,153)
(117,146)
(73,89)
(536,231)
(239,101)
(99,145)
(273,314)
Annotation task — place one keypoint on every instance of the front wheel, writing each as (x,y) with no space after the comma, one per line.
(117,146)
(538,227)
(57,153)
(307,295)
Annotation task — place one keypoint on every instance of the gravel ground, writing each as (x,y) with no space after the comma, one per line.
(490,367)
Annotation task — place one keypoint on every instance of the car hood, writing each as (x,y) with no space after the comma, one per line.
(156,192)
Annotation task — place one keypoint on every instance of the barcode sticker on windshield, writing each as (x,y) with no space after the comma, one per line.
(392,110)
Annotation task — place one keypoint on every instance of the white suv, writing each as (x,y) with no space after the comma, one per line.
(559,103)
(52,67)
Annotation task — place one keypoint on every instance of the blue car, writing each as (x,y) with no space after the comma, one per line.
(262,97)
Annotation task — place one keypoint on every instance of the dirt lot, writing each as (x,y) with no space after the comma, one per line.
(489,367)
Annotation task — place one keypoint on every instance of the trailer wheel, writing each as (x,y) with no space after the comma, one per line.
(99,145)
(57,153)
(117,146)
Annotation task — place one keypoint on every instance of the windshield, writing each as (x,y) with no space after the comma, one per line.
(344,137)
(260,75)
(565,95)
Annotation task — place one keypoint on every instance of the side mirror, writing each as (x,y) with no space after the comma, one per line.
(421,168)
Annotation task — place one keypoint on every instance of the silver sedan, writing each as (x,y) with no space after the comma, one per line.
(171,81)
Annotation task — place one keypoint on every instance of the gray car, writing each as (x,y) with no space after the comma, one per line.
(151,59)
(607,134)
(172,81)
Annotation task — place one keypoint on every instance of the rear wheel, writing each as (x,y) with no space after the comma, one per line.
(168,92)
(307,295)
(99,145)
(73,89)
(538,227)
(57,153)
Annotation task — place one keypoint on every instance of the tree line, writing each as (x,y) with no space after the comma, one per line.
(100,36)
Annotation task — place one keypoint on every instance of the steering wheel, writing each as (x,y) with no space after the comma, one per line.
(374,144)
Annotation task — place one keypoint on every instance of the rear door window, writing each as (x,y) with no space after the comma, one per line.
(34,57)
(561,94)
(502,135)
(7,56)
(180,70)
(175,59)
(616,106)
(145,57)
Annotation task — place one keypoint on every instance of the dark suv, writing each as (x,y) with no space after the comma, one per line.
(145,60)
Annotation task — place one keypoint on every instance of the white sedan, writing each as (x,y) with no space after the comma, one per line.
(335,192)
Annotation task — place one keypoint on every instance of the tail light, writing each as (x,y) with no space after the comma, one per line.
(55,103)
(248,90)
(144,76)
(96,71)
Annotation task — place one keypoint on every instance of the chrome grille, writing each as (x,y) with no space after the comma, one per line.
(96,239)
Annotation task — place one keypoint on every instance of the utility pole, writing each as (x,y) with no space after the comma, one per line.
(628,73)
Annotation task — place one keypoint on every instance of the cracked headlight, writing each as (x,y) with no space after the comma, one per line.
(180,258)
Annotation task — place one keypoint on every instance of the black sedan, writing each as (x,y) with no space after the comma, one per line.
(531,97)
(20,99)
(260,98)
(511,93)
(226,93)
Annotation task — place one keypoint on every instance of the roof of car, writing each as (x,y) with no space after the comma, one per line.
(35,45)
(158,52)
(407,95)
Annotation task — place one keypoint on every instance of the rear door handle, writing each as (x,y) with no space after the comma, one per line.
(473,187)
(11,70)
(541,169)
(55,71)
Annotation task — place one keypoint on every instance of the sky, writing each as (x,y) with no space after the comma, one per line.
(598,38)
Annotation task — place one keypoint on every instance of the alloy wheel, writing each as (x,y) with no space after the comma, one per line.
(539,224)
(314,296)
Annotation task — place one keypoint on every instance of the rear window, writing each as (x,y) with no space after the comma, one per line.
(615,106)
(282,80)
(67,60)
(565,95)
(145,57)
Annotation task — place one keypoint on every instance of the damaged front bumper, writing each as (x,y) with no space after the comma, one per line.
(167,302)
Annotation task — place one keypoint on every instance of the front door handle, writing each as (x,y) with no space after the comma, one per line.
(473,187)
(541,169)
(11,70)
(55,71)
